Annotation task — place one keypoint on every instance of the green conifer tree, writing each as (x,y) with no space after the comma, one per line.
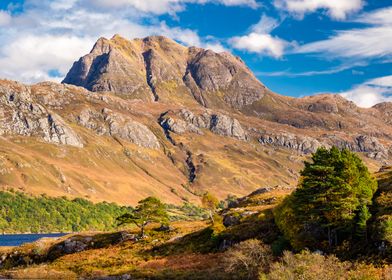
(330,203)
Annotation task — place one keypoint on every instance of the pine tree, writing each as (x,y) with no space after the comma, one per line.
(148,210)
(331,201)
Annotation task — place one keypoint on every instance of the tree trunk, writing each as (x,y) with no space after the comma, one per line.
(211,217)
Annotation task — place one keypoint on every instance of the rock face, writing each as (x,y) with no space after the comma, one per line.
(187,121)
(291,141)
(157,68)
(115,124)
(361,143)
(20,115)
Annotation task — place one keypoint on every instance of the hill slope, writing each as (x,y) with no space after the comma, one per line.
(151,117)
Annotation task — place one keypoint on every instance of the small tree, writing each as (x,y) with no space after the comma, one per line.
(147,211)
(210,202)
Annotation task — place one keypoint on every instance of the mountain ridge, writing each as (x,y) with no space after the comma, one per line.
(224,137)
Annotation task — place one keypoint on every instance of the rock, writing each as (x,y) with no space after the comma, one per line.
(303,144)
(226,126)
(56,131)
(79,243)
(186,121)
(28,118)
(125,236)
(115,124)
(231,219)
(73,245)
(371,145)
(290,141)
(117,277)
(261,191)
(132,131)
(164,228)
(361,143)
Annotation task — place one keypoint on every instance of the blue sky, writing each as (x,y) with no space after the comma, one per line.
(295,47)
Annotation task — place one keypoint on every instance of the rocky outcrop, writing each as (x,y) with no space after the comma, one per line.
(20,115)
(187,121)
(361,143)
(290,141)
(157,68)
(208,71)
(115,124)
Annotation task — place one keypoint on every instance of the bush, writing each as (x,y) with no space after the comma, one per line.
(314,266)
(247,258)
(307,266)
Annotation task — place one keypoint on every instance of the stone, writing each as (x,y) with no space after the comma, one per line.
(231,220)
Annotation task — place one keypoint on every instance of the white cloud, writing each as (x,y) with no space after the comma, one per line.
(381,16)
(260,43)
(51,34)
(187,37)
(166,6)
(362,43)
(337,9)
(249,3)
(5,18)
(30,58)
(334,70)
(371,92)
(265,25)
(258,40)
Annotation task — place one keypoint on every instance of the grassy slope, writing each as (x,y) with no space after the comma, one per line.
(190,251)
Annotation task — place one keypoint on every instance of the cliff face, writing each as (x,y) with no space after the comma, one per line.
(151,117)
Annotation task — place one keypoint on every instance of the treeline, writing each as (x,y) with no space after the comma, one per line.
(21,213)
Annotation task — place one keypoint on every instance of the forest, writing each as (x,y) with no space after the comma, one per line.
(21,213)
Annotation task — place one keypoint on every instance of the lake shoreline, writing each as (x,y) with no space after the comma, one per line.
(13,240)
(26,233)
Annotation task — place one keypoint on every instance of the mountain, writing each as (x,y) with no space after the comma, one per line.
(157,68)
(149,116)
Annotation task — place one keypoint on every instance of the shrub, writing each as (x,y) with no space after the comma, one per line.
(248,258)
(308,266)
(314,266)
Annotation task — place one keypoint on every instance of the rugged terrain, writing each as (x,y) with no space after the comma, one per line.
(199,250)
(149,116)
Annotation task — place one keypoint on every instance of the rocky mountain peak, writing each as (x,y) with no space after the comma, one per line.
(157,68)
